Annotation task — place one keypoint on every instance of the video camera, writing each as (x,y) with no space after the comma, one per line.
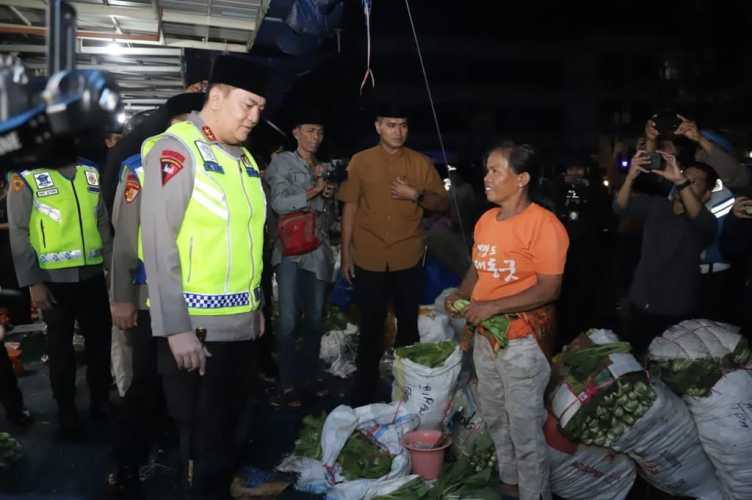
(336,171)
(42,124)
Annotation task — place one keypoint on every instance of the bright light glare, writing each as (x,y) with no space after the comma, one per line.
(121,118)
(115,48)
(447,184)
(605,182)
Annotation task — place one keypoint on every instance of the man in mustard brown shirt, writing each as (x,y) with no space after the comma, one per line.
(388,188)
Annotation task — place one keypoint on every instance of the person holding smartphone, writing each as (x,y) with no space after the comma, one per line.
(666,288)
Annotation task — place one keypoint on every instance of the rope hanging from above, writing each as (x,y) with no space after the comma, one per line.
(367,4)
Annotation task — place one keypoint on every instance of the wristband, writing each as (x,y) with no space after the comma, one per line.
(419,198)
(683,185)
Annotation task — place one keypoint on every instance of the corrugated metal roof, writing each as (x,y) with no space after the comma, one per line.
(139,41)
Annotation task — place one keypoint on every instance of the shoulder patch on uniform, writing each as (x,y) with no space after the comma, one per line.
(16,183)
(171,162)
(132,187)
(43,180)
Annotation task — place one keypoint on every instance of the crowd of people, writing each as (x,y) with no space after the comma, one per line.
(178,278)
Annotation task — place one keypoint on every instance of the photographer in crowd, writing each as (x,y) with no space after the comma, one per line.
(666,286)
(302,255)
(680,136)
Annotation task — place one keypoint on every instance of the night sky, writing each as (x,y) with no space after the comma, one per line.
(704,42)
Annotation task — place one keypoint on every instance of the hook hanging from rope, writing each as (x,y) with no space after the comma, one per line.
(367,4)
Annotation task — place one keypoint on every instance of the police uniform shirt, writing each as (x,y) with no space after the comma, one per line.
(126,218)
(164,200)
(20,204)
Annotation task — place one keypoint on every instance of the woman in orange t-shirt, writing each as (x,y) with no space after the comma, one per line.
(518,260)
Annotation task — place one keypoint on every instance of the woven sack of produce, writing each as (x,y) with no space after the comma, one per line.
(581,472)
(720,403)
(598,389)
(601,396)
(353,453)
(692,356)
(425,377)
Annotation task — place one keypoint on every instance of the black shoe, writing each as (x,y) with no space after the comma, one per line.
(21,418)
(70,423)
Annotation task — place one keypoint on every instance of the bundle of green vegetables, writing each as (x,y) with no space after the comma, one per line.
(609,404)
(10,450)
(360,458)
(495,326)
(430,354)
(614,413)
(696,377)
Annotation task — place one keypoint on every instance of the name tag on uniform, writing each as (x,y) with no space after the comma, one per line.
(47,192)
(210,161)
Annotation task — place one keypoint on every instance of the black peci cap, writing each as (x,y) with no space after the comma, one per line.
(184,103)
(310,115)
(240,72)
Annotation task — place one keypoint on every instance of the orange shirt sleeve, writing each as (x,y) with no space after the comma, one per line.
(549,247)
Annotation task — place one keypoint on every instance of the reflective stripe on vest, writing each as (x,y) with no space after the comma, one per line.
(220,241)
(63,227)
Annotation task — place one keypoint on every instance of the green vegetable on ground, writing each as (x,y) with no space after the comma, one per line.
(360,458)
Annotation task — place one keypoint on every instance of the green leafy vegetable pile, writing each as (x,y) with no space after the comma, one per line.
(696,377)
(360,458)
(10,450)
(430,354)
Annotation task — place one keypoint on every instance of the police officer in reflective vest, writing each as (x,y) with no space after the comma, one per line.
(60,239)
(202,219)
(142,409)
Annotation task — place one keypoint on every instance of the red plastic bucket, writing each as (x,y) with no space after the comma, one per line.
(427,459)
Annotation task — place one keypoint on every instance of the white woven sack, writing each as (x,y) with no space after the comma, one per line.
(724,424)
(591,473)
(665,445)
(426,392)
(695,339)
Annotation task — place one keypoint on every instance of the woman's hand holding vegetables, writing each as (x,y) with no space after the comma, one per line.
(453,308)
(478,312)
